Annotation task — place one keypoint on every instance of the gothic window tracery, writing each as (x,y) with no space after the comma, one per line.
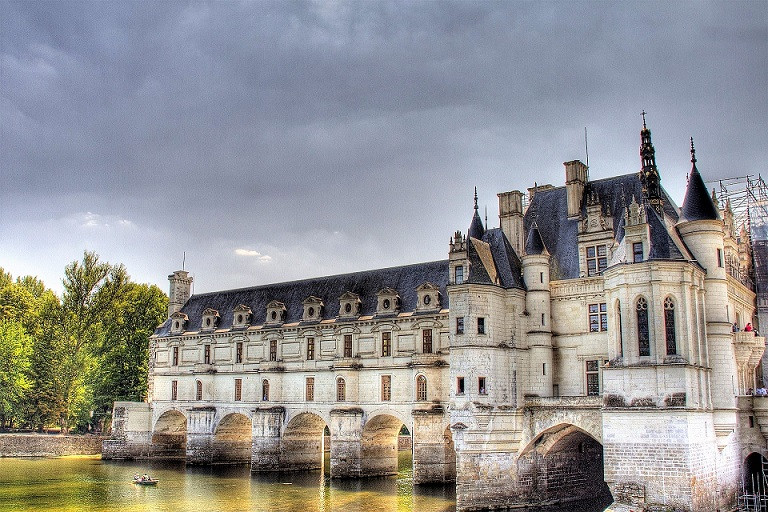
(341,392)
(643,334)
(669,326)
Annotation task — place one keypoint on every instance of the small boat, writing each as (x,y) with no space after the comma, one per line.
(144,480)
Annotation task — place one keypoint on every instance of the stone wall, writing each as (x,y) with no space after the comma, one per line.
(42,445)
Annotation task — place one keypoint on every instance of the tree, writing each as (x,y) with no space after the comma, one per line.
(15,349)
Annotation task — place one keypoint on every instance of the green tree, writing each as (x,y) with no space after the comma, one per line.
(15,349)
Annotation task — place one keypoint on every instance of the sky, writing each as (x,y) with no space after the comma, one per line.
(259,142)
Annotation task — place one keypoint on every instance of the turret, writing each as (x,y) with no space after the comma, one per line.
(538,308)
(476,228)
(180,290)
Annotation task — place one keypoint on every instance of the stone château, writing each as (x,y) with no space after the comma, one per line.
(587,345)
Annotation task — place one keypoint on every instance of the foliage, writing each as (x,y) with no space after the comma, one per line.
(15,347)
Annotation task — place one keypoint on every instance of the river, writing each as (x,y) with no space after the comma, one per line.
(86,483)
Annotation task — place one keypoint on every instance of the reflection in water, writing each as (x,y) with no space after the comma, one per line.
(90,484)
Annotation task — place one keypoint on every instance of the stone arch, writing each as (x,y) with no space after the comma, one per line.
(169,435)
(232,439)
(302,444)
(563,463)
(379,444)
(753,475)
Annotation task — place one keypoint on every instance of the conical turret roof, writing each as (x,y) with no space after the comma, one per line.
(476,228)
(698,204)
(534,244)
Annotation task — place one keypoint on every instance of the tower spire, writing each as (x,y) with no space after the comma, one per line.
(476,228)
(649,175)
(693,153)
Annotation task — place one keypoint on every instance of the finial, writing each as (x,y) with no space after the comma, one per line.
(693,152)
(475,198)
(643,114)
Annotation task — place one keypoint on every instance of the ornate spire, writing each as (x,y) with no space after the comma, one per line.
(697,204)
(649,175)
(476,229)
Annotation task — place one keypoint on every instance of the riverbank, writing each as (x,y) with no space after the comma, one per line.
(49,445)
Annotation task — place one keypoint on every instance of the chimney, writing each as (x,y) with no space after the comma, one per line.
(181,288)
(575,181)
(511,218)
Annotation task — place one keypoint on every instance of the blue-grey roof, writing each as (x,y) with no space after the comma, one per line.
(548,210)
(366,284)
(698,204)
(534,244)
(507,263)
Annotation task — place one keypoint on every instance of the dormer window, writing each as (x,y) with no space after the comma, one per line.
(276,312)
(178,322)
(387,302)
(241,316)
(210,319)
(349,305)
(429,297)
(313,309)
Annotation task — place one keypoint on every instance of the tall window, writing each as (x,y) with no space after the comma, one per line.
(175,356)
(310,349)
(347,345)
(459,274)
(597,260)
(426,341)
(459,325)
(238,390)
(637,252)
(239,352)
(386,388)
(265,390)
(310,389)
(174,390)
(643,335)
(421,388)
(720,258)
(669,326)
(207,354)
(199,390)
(619,327)
(386,343)
(273,350)
(459,385)
(481,389)
(598,317)
(341,390)
(480,325)
(593,378)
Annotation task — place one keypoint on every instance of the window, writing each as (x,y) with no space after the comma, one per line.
(459,274)
(238,390)
(597,260)
(459,385)
(543,368)
(421,388)
(637,252)
(265,390)
(643,335)
(481,386)
(273,350)
(341,391)
(621,332)
(175,356)
(669,326)
(199,390)
(386,343)
(542,320)
(460,325)
(174,390)
(310,389)
(720,258)
(598,317)
(426,341)
(347,345)
(239,352)
(207,354)
(541,277)
(310,349)
(593,378)
(480,325)
(386,388)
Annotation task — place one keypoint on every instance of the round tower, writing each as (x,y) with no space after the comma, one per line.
(538,307)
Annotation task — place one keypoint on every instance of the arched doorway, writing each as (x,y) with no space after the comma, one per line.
(301,447)
(169,437)
(232,440)
(563,464)
(753,494)
(379,445)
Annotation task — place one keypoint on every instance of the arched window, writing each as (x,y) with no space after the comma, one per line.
(620,333)
(341,391)
(199,392)
(421,388)
(265,390)
(669,326)
(643,335)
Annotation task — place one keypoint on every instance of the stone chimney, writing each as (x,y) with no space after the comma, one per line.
(511,218)
(181,289)
(575,181)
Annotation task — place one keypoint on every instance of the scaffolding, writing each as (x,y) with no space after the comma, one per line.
(754,490)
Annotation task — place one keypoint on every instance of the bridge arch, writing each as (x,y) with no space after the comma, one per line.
(302,443)
(169,435)
(379,443)
(232,439)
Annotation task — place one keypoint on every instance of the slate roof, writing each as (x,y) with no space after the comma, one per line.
(366,284)
(548,210)
(506,263)
(698,204)
(534,244)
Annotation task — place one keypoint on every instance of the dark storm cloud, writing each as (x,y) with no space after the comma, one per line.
(350,131)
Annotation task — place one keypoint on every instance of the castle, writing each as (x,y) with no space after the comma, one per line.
(588,345)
